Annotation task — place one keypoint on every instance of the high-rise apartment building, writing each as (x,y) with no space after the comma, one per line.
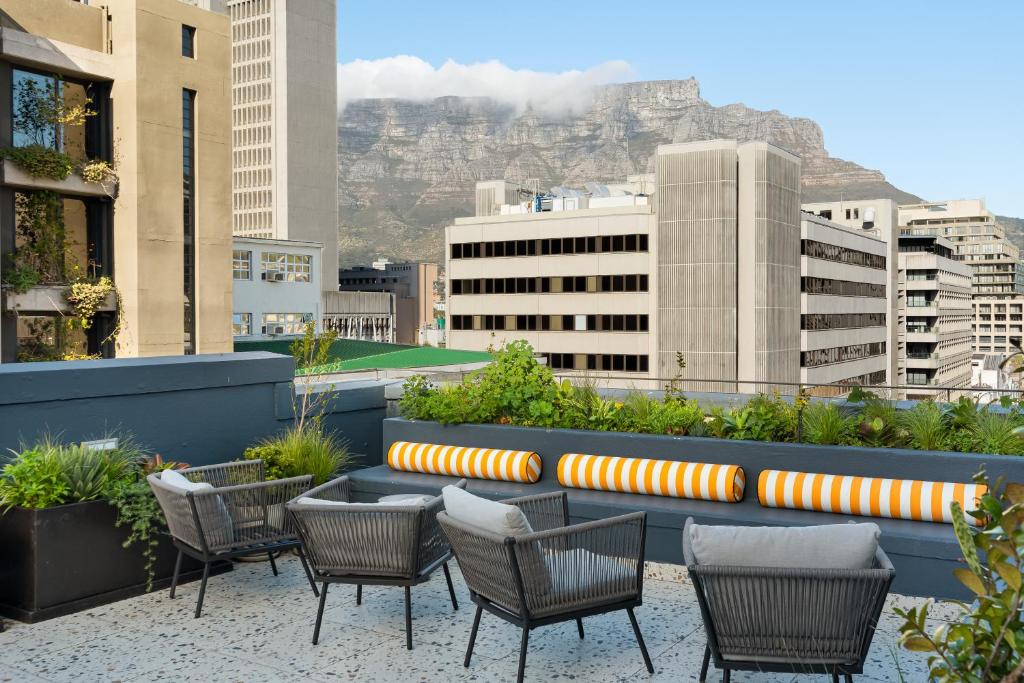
(155,75)
(845,313)
(284,123)
(935,292)
(978,240)
(998,325)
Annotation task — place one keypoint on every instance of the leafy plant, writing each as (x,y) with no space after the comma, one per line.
(101,173)
(925,426)
(40,162)
(825,424)
(518,389)
(986,642)
(91,474)
(87,296)
(878,419)
(994,432)
(34,479)
(763,418)
(311,352)
(299,451)
(138,509)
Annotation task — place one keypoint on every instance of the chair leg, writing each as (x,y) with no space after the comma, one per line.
(309,574)
(579,627)
(451,588)
(320,613)
(273,565)
(522,655)
(472,635)
(408,618)
(177,572)
(359,594)
(202,589)
(726,676)
(704,665)
(848,677)
(835,677)
(640,640)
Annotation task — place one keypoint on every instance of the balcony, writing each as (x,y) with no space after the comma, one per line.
(13,176)
(50,300)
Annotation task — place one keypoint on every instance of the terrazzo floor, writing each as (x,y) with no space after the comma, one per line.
(257,627)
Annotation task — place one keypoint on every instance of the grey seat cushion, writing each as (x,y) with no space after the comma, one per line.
(830,546)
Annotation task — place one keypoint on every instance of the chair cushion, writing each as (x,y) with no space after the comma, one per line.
(406,499)
(400,499)
(830,546)
(926,501)
(722,483)
(496,518)
(462,461)
(214,516)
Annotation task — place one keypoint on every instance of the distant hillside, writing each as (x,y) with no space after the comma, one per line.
(406,168)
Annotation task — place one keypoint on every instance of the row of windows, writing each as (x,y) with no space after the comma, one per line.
(838,321)
(251,136)
(840,387)
(253,71)
(554,323)
(251,92)
(834,252)
(293,267)
(252,199)
(250,51)
(253,156)
(247,30)
(609,362)
(273,323)
(821,285)
(253,223)
(840,354)
(551,285)
(253,177)
(551,246)
(246,114)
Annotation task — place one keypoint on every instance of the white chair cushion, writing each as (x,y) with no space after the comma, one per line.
(406,499)
(497,518)
(214,516)
(399,500)
(829,546)
(177,480)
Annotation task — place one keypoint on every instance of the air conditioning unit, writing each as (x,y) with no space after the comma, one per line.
(273,329)
(274,276)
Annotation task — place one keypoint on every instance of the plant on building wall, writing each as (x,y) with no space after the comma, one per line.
(101,173)
(40,162)
(986,641)
(42,244)
(86,297)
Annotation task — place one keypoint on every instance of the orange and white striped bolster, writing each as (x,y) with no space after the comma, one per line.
(923,501)
(462,461)
(703,481)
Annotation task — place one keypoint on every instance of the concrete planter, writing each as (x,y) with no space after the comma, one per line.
(48,299)
(924,553)
(70,558)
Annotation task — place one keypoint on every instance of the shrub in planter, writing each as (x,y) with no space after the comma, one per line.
(299,451)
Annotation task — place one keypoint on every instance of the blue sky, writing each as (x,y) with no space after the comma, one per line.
(930,93)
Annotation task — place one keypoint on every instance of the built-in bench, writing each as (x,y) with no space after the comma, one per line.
(924,553)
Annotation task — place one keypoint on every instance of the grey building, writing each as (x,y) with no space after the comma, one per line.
(412,285)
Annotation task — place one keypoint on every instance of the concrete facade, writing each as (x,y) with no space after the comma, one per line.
(997,323)
(277,288)
(284,126)
(131,52)
(844,309)
(413,286)
(935,294)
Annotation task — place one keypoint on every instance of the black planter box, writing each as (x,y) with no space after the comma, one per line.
(70,558)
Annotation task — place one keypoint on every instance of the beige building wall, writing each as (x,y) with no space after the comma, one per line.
(997,323)
(137,44)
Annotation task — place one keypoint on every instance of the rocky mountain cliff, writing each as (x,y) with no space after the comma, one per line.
(407,168)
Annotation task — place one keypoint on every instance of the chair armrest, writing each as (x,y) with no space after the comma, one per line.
(882,560)
(543,511)
(247,514)
(338,490)
(228,473)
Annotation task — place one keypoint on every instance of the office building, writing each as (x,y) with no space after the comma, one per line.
(978,240)
(277,289)
(284,113)
(935,293)
(157,76)
(844,307)
(998,324)
(360,315)
(413,285)
(877,218)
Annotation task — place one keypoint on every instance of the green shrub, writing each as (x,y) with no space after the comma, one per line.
(674,416)
(763,418)
(34,479)
(994,432)
(40,161)
(825,424)
(297,452)
(925,427)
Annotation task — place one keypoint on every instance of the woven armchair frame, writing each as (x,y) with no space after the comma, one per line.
(242,515)
(370,544)
(789,620)
(560,572)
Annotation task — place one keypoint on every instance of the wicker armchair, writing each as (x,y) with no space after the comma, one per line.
(801,621)
(241,515)
(557,573)
(373,544)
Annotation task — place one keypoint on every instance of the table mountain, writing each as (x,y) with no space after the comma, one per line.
(407,168)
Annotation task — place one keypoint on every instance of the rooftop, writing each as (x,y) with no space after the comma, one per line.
(257,627)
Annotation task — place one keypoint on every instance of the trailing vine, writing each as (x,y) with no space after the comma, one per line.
(101,173)
(138,509)
(40,162)
(87,296)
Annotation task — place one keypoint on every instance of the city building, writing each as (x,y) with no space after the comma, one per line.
(277,289)
(935,294)
(998,324)
(702,260)
(360,315)
(156,76)
(877,218)
(284,111)
(845,314)
(413,285)
(991,378)
(978,239)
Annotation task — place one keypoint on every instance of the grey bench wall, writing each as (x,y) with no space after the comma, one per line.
(197,409)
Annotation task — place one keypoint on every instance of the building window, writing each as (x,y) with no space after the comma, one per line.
(32,97)
(292,267)
(188,152)
(241,264)
(285,323)
(241,324)
(188,41)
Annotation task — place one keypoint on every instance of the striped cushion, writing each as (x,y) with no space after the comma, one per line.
(462,461)
(703,481)
(866,496)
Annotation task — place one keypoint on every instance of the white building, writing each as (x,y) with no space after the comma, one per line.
(277,288)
